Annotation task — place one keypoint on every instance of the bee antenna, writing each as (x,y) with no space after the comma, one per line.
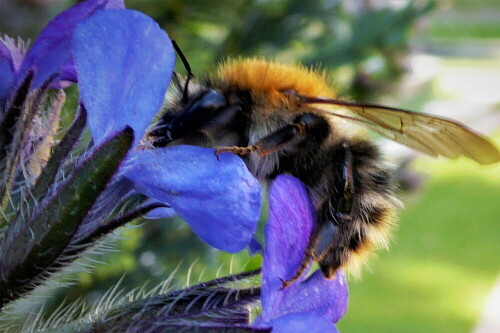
(190,74)
(177,81)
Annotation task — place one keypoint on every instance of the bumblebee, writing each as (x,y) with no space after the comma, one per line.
(285,119)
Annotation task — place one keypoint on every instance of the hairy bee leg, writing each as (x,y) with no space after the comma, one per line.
(304,265)
(274,142)
(344,206)
(235,150)
(321,240)
(346,241)
(306,127)
(364,213)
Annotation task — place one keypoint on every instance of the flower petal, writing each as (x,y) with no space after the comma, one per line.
(115,4)
(220,199)
(124,63)
(158,213)
(318,295)
(254,246)
(287,233)
(52,49)
(17,50)
(7,77)
(304,322)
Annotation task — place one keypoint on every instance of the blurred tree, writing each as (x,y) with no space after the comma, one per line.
(25,18)
(367,41)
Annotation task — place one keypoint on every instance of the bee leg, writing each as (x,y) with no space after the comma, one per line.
(321,240)
(318,245)
(235,150)
(346,242)
(273,142)
(333,249)
(363,210)
(304,265)
(307,128)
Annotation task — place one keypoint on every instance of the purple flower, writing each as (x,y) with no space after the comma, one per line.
(310,304)
(11,55)
(124,62)
(50,53)
(219,198)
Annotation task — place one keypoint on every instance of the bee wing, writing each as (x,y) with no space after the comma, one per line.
(436,136)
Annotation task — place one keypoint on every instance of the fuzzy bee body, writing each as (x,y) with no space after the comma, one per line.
(285,120)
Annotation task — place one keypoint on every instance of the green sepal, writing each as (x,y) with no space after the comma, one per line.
(15,129)
(12,115)
(29,249)
(58,155)
(187,310)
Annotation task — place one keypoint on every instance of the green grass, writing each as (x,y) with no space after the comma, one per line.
(443,261)
(474,4)
(466,19)
(465,30)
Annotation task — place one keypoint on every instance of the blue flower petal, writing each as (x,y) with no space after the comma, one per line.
(219,199)
(68,74)
(124,62)
(290,224)
(51,51)
(254,246)
(7,77)
(318,295)
(291,220)
(158,213)
(304,322)
(115,4)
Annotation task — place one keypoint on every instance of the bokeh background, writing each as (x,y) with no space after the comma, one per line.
(440,57)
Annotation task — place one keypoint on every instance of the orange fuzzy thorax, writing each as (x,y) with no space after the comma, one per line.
(267,80)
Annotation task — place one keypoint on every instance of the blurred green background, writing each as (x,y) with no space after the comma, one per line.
(432,56)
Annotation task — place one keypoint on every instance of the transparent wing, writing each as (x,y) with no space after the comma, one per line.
(433,135)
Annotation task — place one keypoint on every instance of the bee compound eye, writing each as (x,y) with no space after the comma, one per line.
(211,100)
(308,120)
(316,127)
(204,106)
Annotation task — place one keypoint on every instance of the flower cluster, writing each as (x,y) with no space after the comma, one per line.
(105,49)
